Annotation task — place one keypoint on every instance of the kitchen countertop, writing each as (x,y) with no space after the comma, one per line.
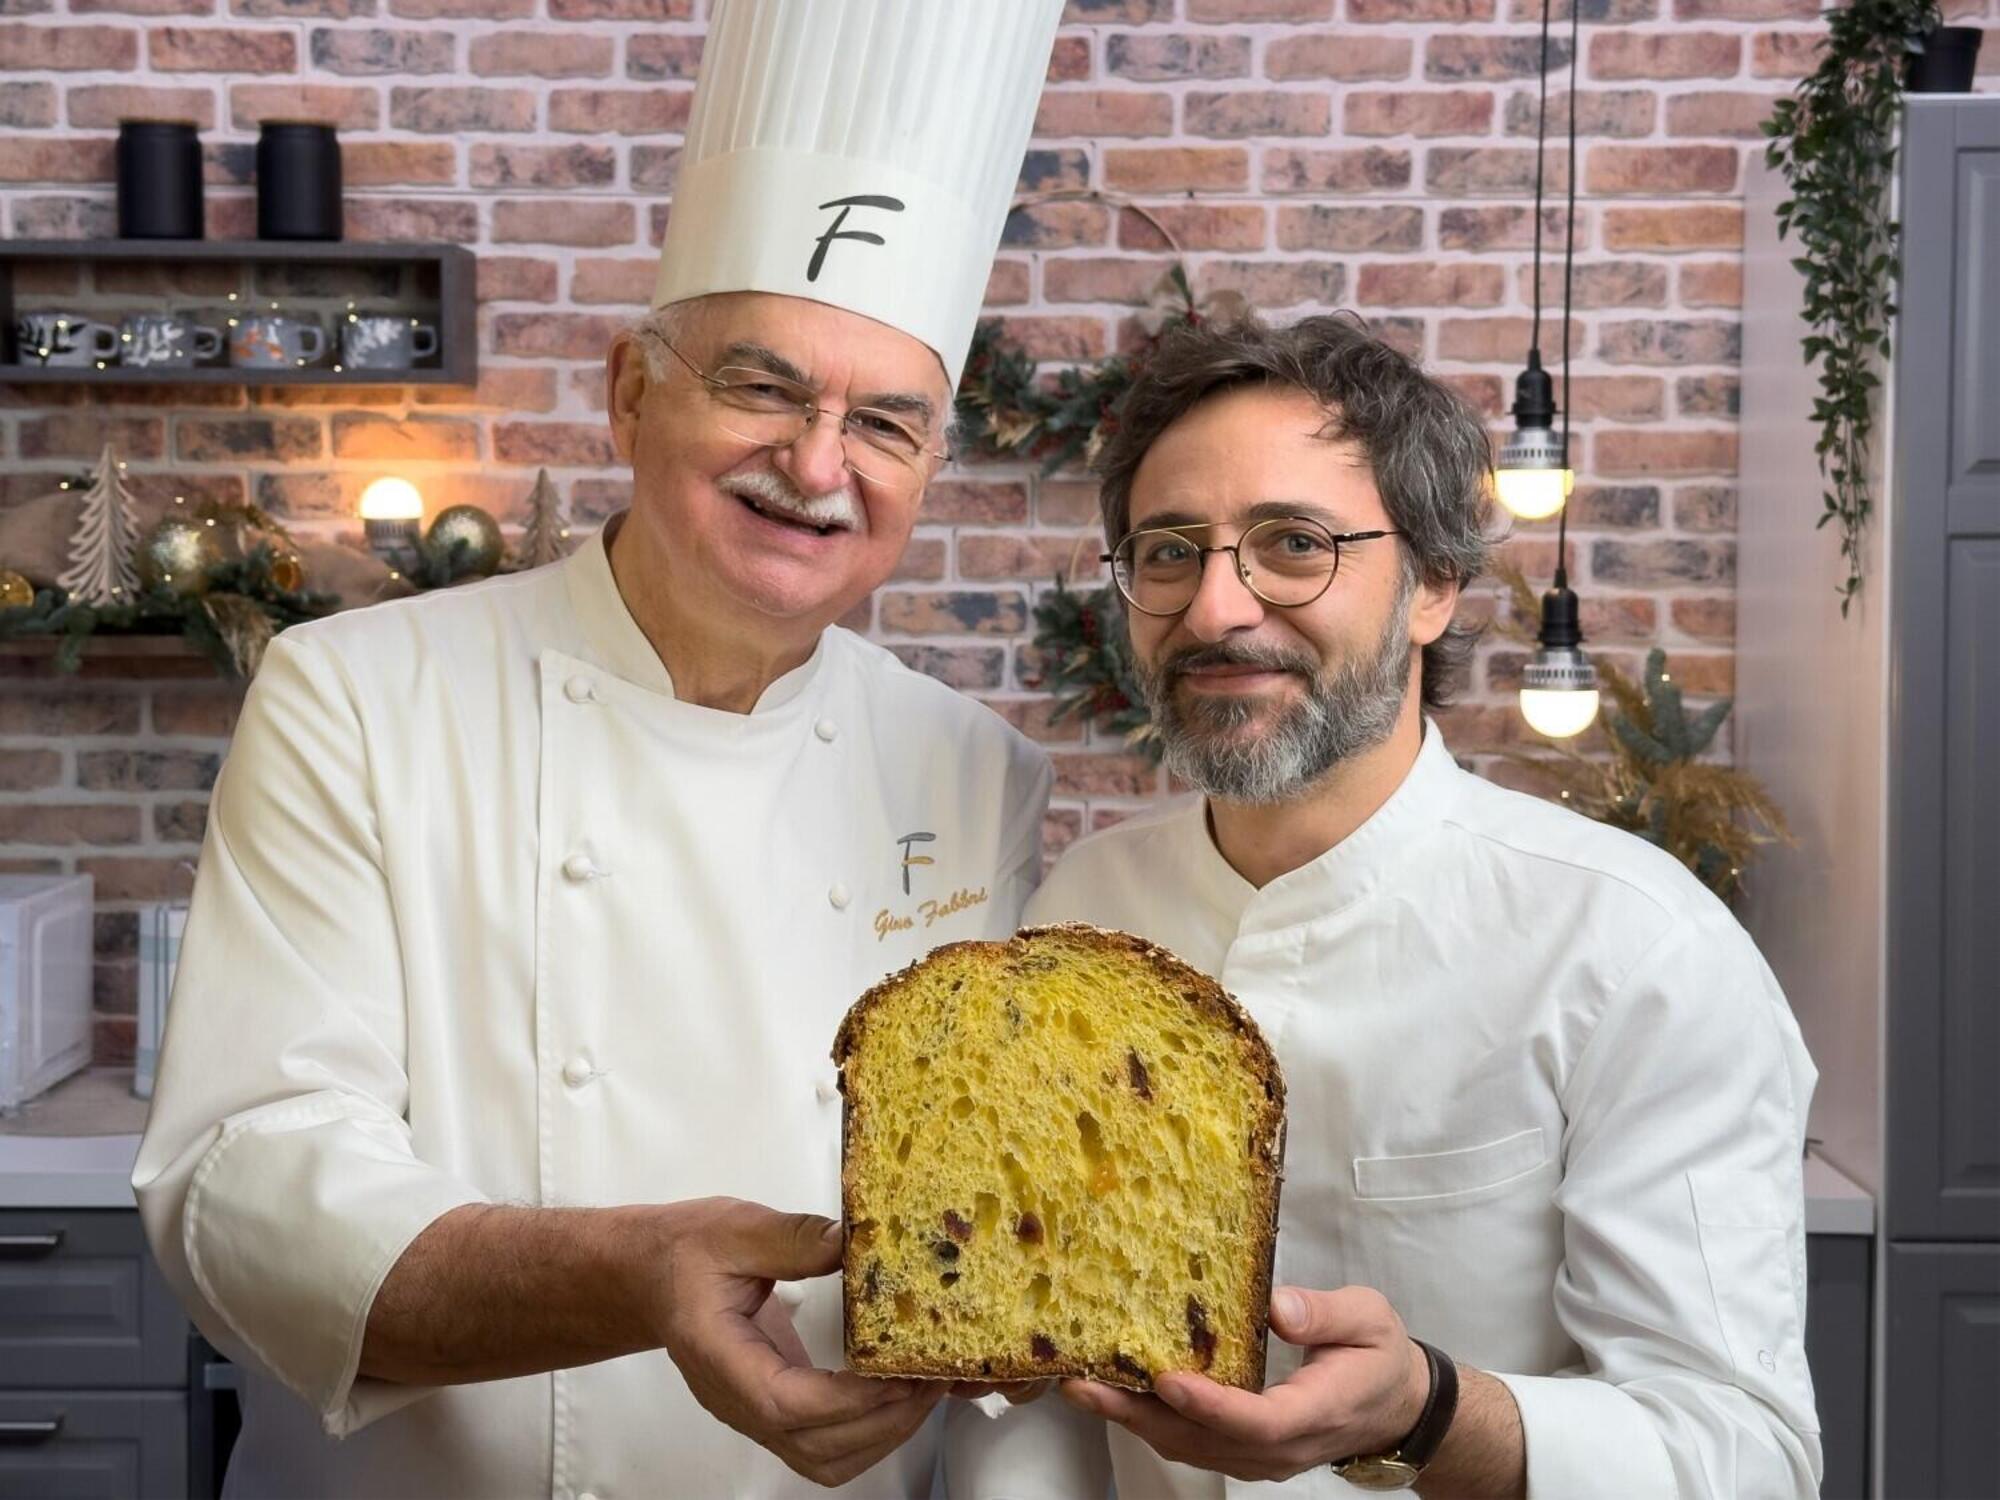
(1835,1203)
(74,1148)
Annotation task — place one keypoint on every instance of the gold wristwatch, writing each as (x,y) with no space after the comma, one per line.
(1399,1467)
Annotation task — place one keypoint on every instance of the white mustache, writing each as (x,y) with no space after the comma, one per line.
(775,492)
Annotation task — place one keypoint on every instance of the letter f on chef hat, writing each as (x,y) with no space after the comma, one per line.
(861,153)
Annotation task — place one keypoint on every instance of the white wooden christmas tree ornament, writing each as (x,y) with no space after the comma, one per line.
(101,569)
(547,537)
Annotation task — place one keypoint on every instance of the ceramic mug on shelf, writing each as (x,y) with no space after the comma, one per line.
(269,342)
(383,341)
(58,338)
(163,341)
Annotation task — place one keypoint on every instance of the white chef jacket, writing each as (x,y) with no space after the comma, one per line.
(1542,1093)
(485,914)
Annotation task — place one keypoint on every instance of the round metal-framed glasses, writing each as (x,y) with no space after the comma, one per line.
(760,407)
(1285,561)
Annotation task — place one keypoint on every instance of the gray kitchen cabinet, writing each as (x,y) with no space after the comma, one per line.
(1943,1372)
(1838,1273)
(1943,1180)
(93,1360)
(1941,1380)
(1877,731)
(93,1445)
(81,1303)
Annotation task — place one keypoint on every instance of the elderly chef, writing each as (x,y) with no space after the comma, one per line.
(528,911)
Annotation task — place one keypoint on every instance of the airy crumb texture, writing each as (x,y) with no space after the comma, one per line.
(1061,1156)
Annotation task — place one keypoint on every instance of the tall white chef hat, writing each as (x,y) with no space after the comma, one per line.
(860,153)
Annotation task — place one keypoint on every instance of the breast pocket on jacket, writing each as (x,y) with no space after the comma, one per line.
(1450,1174)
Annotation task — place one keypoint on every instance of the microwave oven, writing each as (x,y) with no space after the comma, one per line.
(45,983)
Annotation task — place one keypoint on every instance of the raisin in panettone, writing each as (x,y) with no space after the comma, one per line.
(1061,1156)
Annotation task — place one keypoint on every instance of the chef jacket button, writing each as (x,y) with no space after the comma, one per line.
(826,1092)
(1767,1359)
(576,1073)
(837,894)
(586,1495)
(580,867)
(826,729)
(790,1294)
(580,689)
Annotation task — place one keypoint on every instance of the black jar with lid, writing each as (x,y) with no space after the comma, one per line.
(298,181)
(159,180)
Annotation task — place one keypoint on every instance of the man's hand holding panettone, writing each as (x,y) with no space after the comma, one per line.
(744,1362)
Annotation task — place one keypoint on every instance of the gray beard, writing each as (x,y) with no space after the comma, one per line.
(1348,709)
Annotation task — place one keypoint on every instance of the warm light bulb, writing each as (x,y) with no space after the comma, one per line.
(391,499)
(1532,494)
(1559,684)
(1532,475)
(1559,713)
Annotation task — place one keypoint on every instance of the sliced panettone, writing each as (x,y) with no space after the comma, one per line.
(1061,1156)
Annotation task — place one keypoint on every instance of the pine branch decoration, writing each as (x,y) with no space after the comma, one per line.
(1088,664)
(1006,409)
(1712,818)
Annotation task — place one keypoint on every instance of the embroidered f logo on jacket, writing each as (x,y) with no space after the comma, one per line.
(911,857)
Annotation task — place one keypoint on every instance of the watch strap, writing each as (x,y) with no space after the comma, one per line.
(1421,1445)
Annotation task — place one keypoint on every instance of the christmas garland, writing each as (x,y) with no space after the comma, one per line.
(1087,663)
(176,580)
(230,620)
(1007,410)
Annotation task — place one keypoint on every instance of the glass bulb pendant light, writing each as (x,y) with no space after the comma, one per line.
(1532,478)
(1559,686)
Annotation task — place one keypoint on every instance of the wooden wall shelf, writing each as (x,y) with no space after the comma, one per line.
(112,656)
(318,279)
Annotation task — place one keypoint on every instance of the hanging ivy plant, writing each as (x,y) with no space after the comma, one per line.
(1834,140)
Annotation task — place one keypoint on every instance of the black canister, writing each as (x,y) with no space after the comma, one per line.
(159,180)
(298,181)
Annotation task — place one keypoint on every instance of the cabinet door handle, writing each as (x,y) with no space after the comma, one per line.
(29,1246)
(25,1433)
(221,1375)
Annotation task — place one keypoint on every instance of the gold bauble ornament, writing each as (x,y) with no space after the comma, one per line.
(463,541)
(288,573)
(176,556)
(15,591)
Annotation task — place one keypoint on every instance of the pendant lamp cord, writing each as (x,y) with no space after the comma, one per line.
(1541,133)
(1569,260)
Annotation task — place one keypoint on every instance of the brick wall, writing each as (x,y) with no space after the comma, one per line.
(1374,154)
